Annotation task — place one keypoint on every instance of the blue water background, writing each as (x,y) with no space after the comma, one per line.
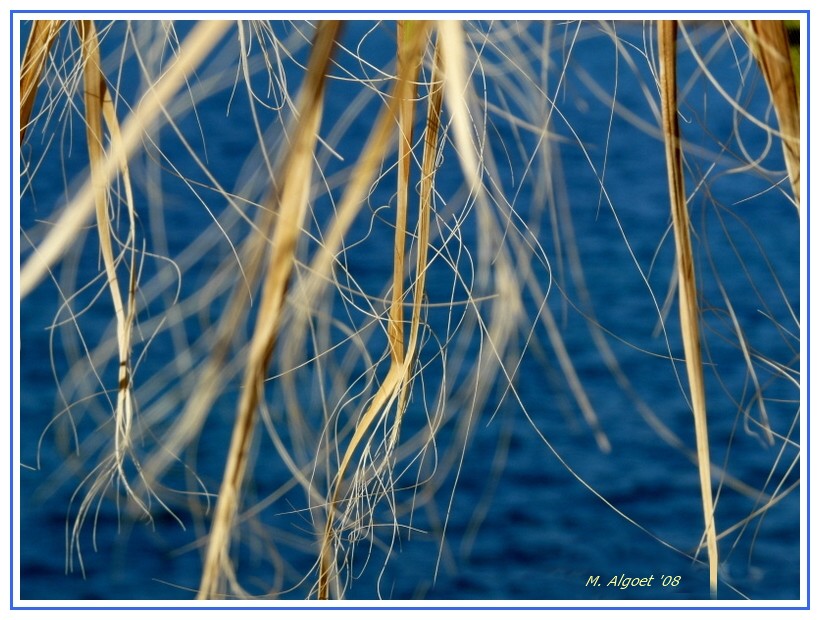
(540,533)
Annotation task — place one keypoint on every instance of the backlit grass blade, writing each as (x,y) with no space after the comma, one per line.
(293,204)
(43,34)
(194,49)
(395,327)
(99,107)
(428,172)
(770,44)
(413,45)
(687,288)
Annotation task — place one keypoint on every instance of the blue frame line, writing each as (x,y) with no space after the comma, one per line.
(12,301)
(804,208)
(399,608)
(807,210)
(418,11)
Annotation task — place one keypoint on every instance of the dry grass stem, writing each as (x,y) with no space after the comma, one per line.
(411,44)
(293,204)
(194,49)
(98,107)
(43,34)
(687,291)
(770,44)
(431,133)
(353,249)
(406,113)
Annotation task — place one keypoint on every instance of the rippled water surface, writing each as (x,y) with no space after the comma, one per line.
(532,508)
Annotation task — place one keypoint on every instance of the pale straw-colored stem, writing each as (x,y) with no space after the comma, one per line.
(413,43)
(99,107)
(295,192)
(687,289)
(43,33)
(770,44)
(193,51)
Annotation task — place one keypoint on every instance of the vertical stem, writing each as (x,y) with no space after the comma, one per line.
(293,202)
(771,48)
(406,114)
(411,45)
(689,312)
(43,34)
(96,100)
(193,51)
